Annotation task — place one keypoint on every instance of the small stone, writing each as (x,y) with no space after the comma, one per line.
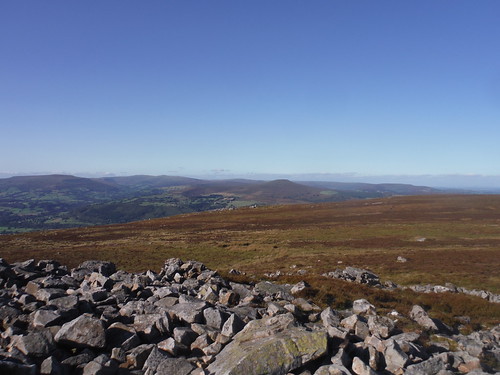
(137,356)
(419,315)
(189,312)
(361,329)
(395,358)
(117,333)
(35,344)
(360,368)
(274,308)
(228,298)
(215,318)
(333,369)
(350,322)
(431,366)
(171,346)
(177,366)
(51,366)
(341,358)
(213,349)
(65,303)
(154,359)
(184,335)
(99,266)
(84,357)
(363,307)
(118,354)
(374,358)
(46,318)
(305,305)
(95,368)
(330,317)
(299,287)
(46,294)
(381,326)
(232,325)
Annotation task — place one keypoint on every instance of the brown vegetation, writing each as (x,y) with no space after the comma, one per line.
(446,238)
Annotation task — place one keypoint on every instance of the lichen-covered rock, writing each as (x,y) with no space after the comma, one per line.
(269,346)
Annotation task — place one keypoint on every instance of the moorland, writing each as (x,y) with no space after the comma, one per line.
(445,238)
(30,203)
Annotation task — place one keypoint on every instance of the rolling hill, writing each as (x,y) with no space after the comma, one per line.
(61,201)
(45,184)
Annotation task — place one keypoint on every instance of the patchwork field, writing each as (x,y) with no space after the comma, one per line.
(445,238)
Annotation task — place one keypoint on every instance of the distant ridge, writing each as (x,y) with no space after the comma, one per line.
(30,203)
(146,181)
(55,182)
(387,188)
(278,191)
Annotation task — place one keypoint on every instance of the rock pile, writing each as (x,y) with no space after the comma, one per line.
(187,319)
(451,288)
(362,276)
(356,275)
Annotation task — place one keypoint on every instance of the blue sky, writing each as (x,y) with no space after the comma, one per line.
(250,87)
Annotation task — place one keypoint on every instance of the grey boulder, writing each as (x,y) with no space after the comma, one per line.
(84,331)
(269,346)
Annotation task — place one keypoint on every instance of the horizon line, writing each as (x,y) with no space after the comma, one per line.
(449,181)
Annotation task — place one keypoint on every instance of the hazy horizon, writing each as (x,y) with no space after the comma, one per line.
(356,89)
(479,182)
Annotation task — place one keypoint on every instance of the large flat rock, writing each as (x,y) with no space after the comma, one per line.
(272,346)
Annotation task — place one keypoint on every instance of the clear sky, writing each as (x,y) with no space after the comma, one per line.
(250,87)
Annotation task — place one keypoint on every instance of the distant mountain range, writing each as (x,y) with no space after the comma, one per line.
(30,203)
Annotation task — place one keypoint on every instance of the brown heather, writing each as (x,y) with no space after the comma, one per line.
(446,238)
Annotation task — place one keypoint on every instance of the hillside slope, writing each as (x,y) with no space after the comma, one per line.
(446,238)
(443,239)
(59,201)
(382,189)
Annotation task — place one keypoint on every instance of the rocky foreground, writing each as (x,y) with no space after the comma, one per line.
(187,319)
